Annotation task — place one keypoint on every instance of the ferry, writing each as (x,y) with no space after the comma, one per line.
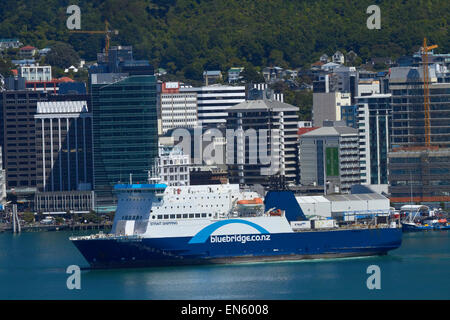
(160,225)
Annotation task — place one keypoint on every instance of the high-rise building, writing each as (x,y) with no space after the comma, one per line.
(125,134)
(63,146)
(264,142)
(214,101)
(178,109)
(419,175)
(374,128)
(330,155)
(18,137)
(408,123)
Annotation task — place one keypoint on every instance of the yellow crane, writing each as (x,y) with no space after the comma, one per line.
(426,90)
(107,32)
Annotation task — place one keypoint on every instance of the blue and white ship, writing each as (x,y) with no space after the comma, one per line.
(160,225)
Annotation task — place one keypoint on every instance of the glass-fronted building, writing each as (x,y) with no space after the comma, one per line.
(125,134)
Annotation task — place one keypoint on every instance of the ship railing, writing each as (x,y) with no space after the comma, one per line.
(105,236)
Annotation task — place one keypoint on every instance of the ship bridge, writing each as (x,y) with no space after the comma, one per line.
(135,203)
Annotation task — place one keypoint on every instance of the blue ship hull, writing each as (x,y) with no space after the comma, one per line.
(415,228)
(149,252)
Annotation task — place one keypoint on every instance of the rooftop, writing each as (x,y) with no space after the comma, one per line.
(62,107)
(330,131)
(28,48)
(263,105)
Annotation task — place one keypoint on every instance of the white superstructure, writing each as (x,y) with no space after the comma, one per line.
(139,211)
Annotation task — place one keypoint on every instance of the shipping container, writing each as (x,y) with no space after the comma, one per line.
(324,224)
(300,225)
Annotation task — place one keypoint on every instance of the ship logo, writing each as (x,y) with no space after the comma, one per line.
(204,234)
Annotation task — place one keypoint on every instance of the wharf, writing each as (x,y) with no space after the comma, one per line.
(56,227)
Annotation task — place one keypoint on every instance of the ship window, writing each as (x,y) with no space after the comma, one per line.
(185,216)
(172,216)
(209,215)
(166,216)
(153,217)
(178,216)
(191,215)
(197,215)
(159,216)
(203,215)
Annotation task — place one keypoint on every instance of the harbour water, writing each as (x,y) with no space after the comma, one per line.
(33,266)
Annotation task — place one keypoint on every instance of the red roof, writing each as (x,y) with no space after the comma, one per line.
(27,48)
(302,131)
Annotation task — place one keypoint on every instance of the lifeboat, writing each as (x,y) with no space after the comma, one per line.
(250,205)
(253,202)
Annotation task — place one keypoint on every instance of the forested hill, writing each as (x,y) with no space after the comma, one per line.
(188,35)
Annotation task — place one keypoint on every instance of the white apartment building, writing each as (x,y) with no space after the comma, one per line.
(374,130)
(173,166)
(213,102)
(35,73)
(178,110)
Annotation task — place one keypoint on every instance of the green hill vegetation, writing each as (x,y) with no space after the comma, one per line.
(187,36)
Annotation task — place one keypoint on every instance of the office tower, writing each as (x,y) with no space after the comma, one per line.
(125,135)
(178,109)
(275,126)
(408,123)
(18,137)
(214,101)
(374,128)
(64,170)
(330,155)
(63,146)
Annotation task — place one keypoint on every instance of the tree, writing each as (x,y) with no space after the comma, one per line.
(5,67)
(28,217)
(62,55)
(250,75)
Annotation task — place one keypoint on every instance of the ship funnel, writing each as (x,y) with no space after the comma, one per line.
(284,200)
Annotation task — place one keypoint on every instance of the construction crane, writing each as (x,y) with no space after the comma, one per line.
(107,32)
(426,90)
